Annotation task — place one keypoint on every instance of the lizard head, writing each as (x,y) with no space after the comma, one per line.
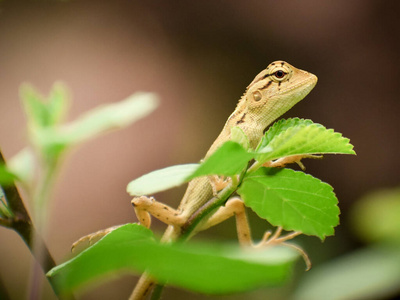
(274,91)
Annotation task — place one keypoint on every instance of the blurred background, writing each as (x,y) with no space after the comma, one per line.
(199,57)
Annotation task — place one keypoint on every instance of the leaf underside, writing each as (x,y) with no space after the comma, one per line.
(161,180)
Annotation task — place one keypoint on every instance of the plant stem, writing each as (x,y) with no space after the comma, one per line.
(157,291)
(188,229)
(215,202)
(41,199)
(21,222)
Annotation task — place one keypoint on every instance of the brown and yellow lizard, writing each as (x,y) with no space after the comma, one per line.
(273,91)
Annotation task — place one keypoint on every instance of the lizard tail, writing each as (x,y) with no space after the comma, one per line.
(143,288)
(145,284)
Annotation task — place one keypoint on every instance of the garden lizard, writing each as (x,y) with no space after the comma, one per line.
(272,92)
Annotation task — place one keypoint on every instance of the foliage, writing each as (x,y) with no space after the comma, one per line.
(193,266)
(292,200)
(288,199)
(373,271)
(36,166)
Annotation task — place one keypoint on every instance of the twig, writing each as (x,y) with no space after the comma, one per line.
(21,222)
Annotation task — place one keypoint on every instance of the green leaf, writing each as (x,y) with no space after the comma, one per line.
(371,273)
(160,180)
(111,116)
(304,138)
(22,165)
(96,122)
(42,112)
(293,200)
(228,160)
(238,136)
(58,102)
(6,176)
(212,269)
(279,127)
(35,106)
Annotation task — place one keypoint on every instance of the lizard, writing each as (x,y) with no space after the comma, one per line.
(273,91)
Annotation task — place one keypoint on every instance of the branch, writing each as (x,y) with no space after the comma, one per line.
(22,224)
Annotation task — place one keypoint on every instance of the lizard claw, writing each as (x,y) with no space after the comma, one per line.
(218,183)
(281,162)
(277,239)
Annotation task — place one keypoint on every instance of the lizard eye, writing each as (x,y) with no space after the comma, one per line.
(279,74)
(257,96)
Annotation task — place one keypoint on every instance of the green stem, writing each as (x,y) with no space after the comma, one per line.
(157,291)
(215,202)
(188,229)
(254,167)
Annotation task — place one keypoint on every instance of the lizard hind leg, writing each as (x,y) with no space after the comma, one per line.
(235,207)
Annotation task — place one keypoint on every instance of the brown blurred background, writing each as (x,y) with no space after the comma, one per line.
(199,57)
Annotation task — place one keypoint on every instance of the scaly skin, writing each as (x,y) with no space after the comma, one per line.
(273,92)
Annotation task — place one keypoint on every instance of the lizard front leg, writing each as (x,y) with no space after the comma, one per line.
(146,206)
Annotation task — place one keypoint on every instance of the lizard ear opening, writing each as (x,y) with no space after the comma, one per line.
(257,96)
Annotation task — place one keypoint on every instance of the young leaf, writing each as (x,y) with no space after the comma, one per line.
(202,268)
(98,121)
(35,106)
(22,165)
(304,138)
(160,180)
(111,116)
(43,112)
(228,160)
(293,200)
(58,103)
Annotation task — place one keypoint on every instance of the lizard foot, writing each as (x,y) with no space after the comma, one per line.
(218,183)
(270,239)
(281,162)
(90,239)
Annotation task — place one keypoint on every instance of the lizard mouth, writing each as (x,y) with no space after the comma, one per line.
(306,85)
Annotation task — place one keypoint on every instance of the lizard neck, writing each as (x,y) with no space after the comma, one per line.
(252,125)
